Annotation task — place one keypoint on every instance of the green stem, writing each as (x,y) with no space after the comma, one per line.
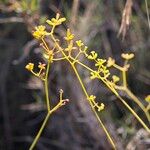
(40,131)
(104,128)
(60,104)
(148,108)
(94,111)
(81,83)
(130,109)
(136,100)
(46,87)
(147,11)
(118,67)
(45,45)
(124,78)
(60,48)
(134,113)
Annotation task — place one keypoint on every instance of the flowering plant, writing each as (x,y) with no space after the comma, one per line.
(71,53)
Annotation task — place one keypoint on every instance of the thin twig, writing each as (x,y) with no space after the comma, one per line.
(147,11)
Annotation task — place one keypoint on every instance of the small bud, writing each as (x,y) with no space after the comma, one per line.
(115,78)
(61,91)
(79,43)
(69,35)
(41,66)
(93,55)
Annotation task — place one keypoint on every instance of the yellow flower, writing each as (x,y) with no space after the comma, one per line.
(147,98)
(100,62)
(127,56)
(94,75)
(115,78)
(79,43)
(41,66)
(39,32)
(69,36)
(29,66)
(70,47)
(93,55)
(92,97)
(110,62)
(95,104)
(56,21)
(101,107)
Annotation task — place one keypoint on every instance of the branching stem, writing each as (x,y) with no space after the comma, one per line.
(93,109)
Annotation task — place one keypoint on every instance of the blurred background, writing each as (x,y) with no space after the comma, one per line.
(101,26)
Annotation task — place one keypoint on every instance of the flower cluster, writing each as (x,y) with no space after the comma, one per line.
(81,49)
(70,47)
(70,51)
(93,55)
(69,35)
(95,104)
(102,70)
(40,73)
(40,32)
(30,66)
(56,21)
(79,43)
(41,66)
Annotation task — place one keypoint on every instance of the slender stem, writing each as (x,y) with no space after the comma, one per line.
(36,74)
(94,111)
(45,45)
(77,55)
(135,99)
(134,113)
(118,67)
(104,128)
(124,77)
(130,109)
(40,131)
(46,87)
(60,104)
(57,59)
(48,108)
(52,30)
(81,83)
(88,68)
(148,108)
(147,11)
(60,48)
(39,72)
